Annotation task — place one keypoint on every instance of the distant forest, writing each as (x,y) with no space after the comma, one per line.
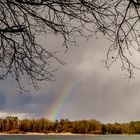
(14,125)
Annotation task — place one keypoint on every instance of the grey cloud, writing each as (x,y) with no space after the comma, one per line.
(2,100)
(98,93)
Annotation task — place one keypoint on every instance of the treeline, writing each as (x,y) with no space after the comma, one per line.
(14,125)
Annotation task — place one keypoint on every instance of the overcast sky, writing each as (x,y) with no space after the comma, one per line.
(84,89)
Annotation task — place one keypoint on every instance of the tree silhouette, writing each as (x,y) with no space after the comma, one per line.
(22,20)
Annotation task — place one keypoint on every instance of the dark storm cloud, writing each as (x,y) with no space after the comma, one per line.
(98,93)
(2,100)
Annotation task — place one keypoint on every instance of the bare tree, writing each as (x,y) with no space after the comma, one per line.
(22,20)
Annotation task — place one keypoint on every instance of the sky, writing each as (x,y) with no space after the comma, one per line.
(84,89)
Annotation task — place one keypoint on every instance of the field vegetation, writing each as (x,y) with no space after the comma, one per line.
(13,125)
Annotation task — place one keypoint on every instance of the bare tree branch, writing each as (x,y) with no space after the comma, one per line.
(22,20)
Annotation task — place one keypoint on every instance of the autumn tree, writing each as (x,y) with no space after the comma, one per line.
(21,21)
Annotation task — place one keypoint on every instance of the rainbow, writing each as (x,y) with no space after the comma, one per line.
(57,107)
